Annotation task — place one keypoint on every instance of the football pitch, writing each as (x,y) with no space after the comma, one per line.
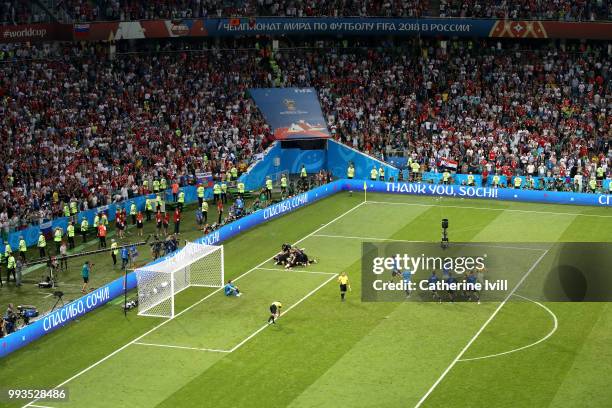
(219,352)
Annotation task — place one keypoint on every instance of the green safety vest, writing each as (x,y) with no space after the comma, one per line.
(445,176)
(42,242)
(517,181)
(241,188)
(114,248)
(11,262)
(96,221)
(145,183)
(204,206)
(470,178)
(200,192)
(381,172)
(269,184)
(283,181)
(303,172)
(155,185)
(23,247)
(163,184)
(133,209)
(600,172)
(415,167)
(8,249)
(148,204)
(57,237)
(351,172)
(593,184)
(181,197)
(496,179)
(223,188)
(84,225)
(234,172)
(71,231)
(73,207)
(216,189)
(373,174)
(66,211)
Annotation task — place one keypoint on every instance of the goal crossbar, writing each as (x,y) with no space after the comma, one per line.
(159,283)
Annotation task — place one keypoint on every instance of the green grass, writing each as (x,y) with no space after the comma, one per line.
(325,353)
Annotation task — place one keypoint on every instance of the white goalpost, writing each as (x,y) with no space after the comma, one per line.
(193,265)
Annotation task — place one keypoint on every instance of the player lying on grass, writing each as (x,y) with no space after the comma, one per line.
(291,257)
(231,289)
(275,312)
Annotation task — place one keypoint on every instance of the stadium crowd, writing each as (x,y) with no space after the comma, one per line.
(565,10)
(15,11)
(78,125)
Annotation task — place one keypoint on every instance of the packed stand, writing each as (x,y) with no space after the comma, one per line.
(85,127)
(88,128)
(21,12)
(565,10)
(540,112)
(123,10)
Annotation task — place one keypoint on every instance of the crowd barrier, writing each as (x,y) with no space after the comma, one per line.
(31,234)
(101,296)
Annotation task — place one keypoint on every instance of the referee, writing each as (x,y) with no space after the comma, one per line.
(275,312)
(343,280)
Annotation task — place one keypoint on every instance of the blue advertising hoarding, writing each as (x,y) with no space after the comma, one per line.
(292,113)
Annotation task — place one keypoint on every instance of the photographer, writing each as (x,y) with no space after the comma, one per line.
(10,318)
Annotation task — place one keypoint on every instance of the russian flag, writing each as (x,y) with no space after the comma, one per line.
(81,30)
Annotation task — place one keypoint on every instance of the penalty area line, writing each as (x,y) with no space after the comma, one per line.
(179,347)
(482,328)
(192,306)
(312,292)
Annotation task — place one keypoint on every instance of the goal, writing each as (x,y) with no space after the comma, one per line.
(193,265)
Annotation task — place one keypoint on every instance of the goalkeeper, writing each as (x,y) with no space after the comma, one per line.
(275,312)
(231,289)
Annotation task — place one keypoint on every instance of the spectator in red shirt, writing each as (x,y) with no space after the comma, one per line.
(102,235)
(219,211)
(166,223)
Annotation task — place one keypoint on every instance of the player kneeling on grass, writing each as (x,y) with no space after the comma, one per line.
(275,312)
(283,255)
(231,289)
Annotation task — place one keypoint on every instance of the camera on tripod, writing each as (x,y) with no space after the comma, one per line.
(27,312)
(444,243)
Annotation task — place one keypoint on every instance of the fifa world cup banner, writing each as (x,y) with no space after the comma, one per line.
(292,113)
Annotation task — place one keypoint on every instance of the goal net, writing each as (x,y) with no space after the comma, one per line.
(193,265)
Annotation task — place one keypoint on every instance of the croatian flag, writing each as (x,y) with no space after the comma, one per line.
(450,163)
